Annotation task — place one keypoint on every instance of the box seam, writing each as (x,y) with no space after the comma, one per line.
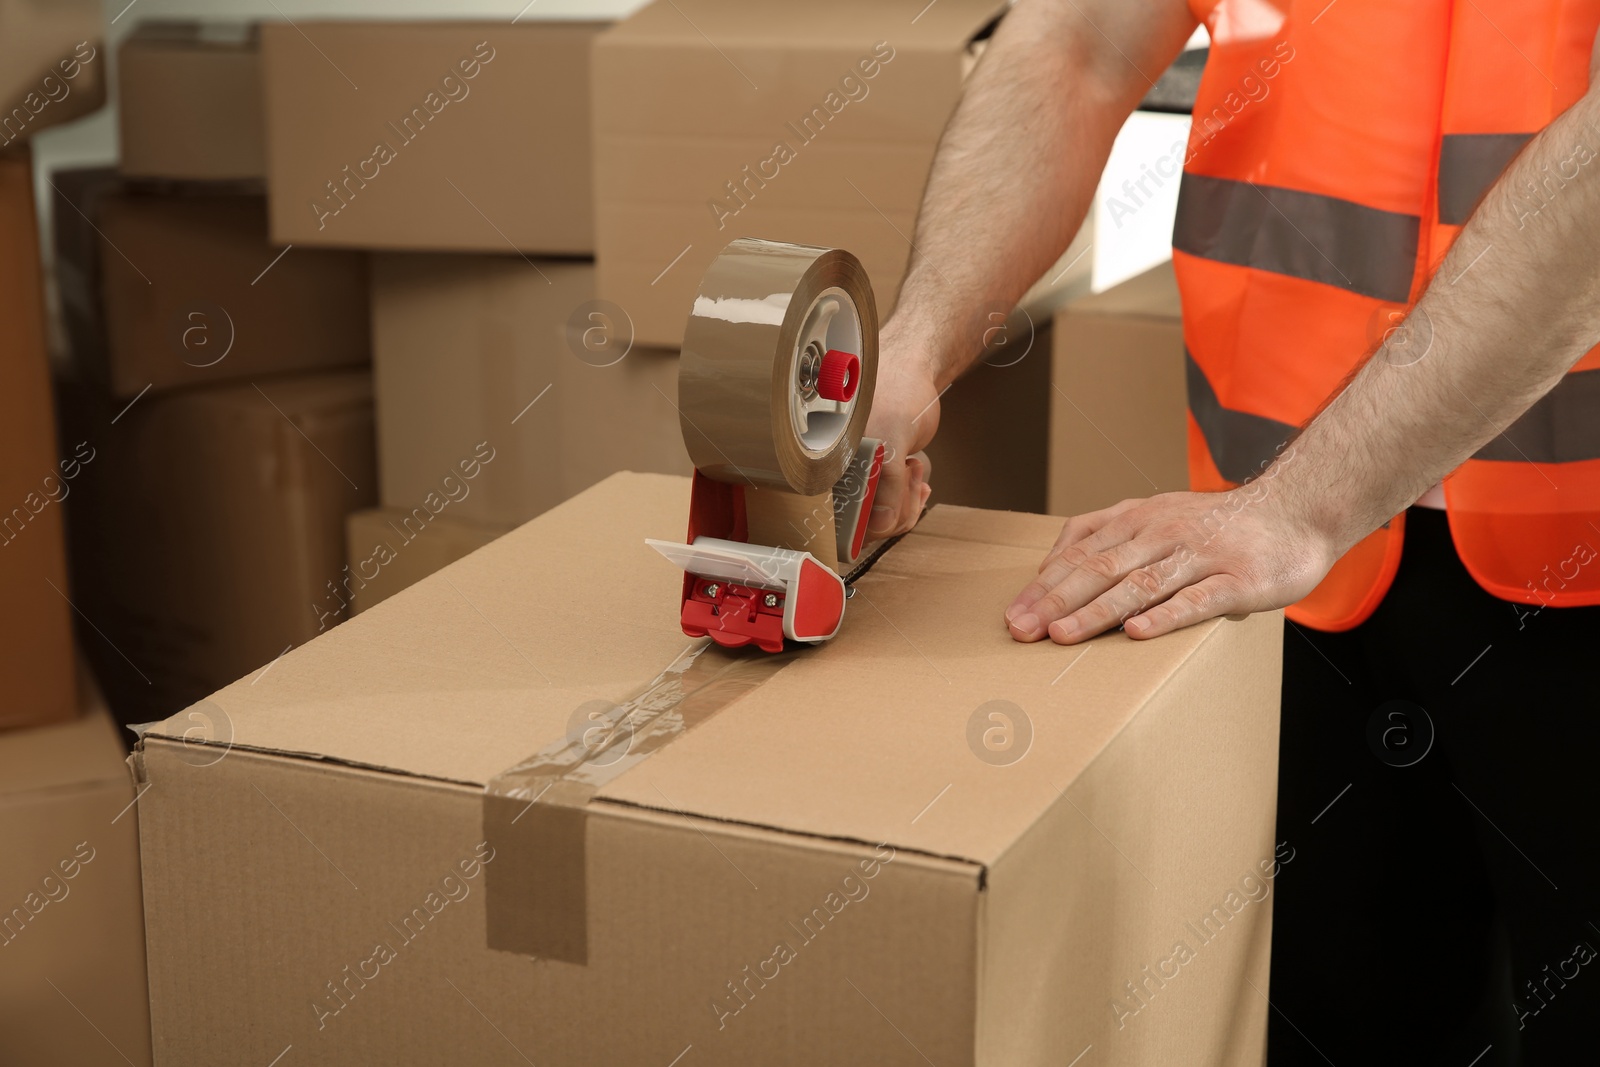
(981,868)
(312,759)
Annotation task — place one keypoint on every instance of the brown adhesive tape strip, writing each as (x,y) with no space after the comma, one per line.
(535,813)
(759,305)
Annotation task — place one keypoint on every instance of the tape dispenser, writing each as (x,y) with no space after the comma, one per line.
(775,384)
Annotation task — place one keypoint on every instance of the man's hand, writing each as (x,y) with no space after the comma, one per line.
(905,414)
(1156,565)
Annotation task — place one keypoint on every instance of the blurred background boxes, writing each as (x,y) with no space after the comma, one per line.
(1118,409)
(179,286)
(458,136)
(189,101)
(498,356)
(218,463)
(211,535)
(392,548)
(52,65)
(72,983)
(544,375)
(717,119)
(36,664)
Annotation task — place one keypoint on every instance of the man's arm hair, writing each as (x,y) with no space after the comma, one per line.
(1019,161)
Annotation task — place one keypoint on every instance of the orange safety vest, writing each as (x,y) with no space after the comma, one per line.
(1336,152)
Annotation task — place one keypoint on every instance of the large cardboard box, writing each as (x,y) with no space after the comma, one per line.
(508,369)
(72,963)
(436,837)
(36,664)
(1118,406)
(461,136)
(189,101)
(718,119)
(52,64)
(389,549)
(183,288)
(208,534)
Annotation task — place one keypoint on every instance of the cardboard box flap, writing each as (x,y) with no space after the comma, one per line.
(868,738)
(923,724)
(703,23)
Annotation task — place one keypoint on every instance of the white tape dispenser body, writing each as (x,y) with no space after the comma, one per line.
(775,384)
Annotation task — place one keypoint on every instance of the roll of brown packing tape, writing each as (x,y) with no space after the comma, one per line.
(766,315)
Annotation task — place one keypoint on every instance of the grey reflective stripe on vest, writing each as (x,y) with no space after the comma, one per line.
(1563,427)
(1241,444)
(1304,235)
(1469,163)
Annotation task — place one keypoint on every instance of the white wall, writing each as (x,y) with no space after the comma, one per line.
(1133,223)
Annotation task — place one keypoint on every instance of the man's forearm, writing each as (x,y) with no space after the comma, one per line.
(1017,167)
(1513,306)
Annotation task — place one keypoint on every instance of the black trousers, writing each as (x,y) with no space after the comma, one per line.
(1437,781)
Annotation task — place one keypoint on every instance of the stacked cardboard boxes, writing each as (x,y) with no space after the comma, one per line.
(514,362)
(72,965)
(219,382)
(168,287)
(498,395)
(444,136)
(824,125)
(392,136)
(211,536)
(217,102)
(219,390)
(717,119)
(189,102)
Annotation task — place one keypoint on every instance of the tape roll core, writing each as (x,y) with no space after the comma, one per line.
(765,316)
